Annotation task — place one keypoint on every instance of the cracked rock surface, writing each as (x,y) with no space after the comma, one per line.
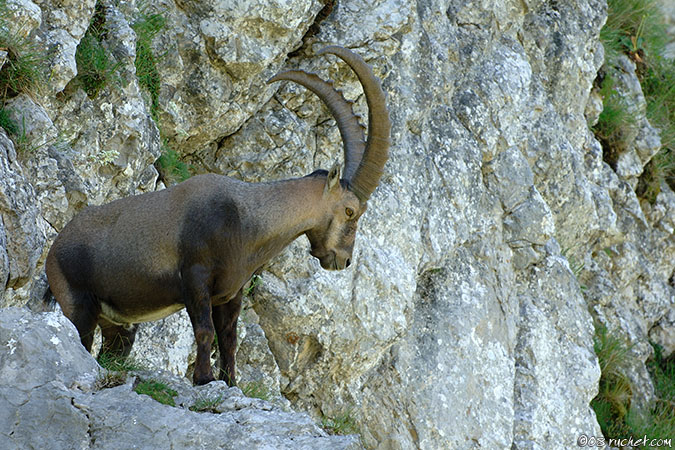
(52,402)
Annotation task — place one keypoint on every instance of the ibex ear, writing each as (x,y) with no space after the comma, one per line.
(333,179)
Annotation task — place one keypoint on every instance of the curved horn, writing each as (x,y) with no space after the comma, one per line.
(370,168)
(350,128)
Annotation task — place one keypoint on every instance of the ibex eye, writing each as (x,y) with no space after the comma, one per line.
(349,212)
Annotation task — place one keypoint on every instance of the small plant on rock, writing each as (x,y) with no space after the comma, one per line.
(117,363)
(206,404)
(25,64)
(636,28)
(613,409)
(6,122)
(256,389)
(108,379)
(171,169)
(341,424)
(96,67)
(147,26)
(255,281)
(158,391)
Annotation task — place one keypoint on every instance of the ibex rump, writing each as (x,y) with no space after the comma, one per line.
(195,244)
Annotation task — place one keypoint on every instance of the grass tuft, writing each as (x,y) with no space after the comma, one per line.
(25,65)
(658,85)
(253,284)
(205,404)
(96,67)
(171,169)
(612,405)
(614,397)
(256,389)
(147,26)
(614,122)
(342,424)
(117,363)
(110,379)
(636,28)
(158,391)
(116,368)
(9,124)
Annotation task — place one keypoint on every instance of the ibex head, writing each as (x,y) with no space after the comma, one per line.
(344,199)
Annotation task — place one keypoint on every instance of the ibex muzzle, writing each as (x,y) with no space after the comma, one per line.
(194,245)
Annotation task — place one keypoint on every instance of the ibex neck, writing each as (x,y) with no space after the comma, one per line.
(286,209)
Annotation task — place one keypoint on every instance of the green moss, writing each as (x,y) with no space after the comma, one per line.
(158,391)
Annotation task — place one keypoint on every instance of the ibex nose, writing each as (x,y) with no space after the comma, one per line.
(349,261)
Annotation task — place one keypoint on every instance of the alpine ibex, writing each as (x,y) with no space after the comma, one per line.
(194,245)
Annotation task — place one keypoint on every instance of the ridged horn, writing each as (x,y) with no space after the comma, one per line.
(341,109)
(371,167)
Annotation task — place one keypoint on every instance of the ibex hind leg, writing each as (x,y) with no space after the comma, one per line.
(198,306)
(77,304)
(83,310)
(117,339)
(225,322)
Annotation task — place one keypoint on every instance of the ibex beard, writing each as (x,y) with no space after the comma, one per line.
(195,245)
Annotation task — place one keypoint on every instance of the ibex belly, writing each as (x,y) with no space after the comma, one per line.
(118,317)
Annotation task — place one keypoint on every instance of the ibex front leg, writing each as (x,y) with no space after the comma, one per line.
(225,320)
(198,305)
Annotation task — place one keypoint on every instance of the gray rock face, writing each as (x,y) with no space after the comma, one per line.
(23,232)
(216,57)
(462,322)
(52,402)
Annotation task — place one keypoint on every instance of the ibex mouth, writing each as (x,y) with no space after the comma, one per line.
(328,261)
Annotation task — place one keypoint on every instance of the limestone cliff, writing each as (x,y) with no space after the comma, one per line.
(462,322)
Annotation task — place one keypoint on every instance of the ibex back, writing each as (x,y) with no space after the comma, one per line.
(194,245)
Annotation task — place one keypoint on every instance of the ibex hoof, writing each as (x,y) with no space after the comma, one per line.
(200,380)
